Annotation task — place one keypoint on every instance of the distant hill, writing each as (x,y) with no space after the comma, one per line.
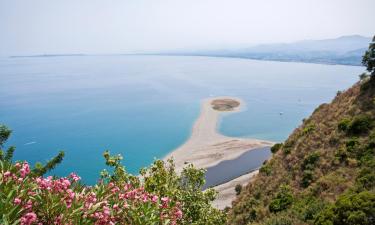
(346,50)
(324,173)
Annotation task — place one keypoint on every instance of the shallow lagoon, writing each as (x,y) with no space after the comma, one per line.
(144,106)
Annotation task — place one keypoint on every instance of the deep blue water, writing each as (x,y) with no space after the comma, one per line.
(144,106)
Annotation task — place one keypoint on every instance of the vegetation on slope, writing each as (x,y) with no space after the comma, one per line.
(324,173)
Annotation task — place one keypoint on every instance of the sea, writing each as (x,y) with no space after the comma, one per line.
(144,106)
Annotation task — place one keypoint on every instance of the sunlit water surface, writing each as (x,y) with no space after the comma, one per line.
(144,106)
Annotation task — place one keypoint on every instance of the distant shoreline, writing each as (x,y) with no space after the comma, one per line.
(206,147)
(254,58)
(194,55)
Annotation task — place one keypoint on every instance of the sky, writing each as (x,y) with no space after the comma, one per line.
(129,26)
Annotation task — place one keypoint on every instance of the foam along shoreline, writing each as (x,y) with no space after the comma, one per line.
(206,147)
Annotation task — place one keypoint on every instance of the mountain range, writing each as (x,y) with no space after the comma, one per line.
(345,50)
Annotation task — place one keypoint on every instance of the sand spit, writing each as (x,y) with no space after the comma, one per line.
(206,147)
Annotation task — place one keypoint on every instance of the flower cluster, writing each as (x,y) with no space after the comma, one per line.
(46,200)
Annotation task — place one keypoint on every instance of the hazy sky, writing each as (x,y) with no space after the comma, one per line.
(121,26)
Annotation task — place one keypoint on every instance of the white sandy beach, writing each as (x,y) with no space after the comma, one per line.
(206,147)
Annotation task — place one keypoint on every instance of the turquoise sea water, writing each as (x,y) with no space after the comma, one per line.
(144,106)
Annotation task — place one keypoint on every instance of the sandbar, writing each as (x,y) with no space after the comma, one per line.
(206,147)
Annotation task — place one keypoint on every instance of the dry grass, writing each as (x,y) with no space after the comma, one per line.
(317,134)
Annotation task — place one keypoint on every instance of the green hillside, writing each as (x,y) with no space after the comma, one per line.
(324,173)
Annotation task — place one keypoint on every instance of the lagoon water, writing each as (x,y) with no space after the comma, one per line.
(144,106)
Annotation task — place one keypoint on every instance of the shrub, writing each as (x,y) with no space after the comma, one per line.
(307,207)
(349,209)
(307,178)
(287,147)
(360,124)
(238,189)
(310,160)
(287,150)
(366,178)
(279,220)
(265,169)
(282,200)
(341,154)
(344,124)
(308,129)
(276,147)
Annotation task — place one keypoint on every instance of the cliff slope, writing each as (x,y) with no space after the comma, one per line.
(324,173)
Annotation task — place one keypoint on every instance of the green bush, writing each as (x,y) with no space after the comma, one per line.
(360,124)
(344,124)
(282,201)
(265,169)
(279,220)
(308,207)
(366,178)
(341,154)
(307,178)
(287,147)
(287,150)
(310,160)
(276,147)
(244,217)
(350,209)
(308,129)
(238,189)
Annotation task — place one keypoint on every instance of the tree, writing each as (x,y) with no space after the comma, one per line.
(368,59)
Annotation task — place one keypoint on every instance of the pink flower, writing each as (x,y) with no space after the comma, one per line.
(17,201)
(115,190)
(29,205)
(164,201)
(106,211)
(145,198)
(7,174)
(178,214)
(28,218)
(71,194)
(154,199)
(68,203)
(75,177)
(25,169)
(65,183)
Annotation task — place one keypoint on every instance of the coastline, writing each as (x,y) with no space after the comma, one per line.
(206,147)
